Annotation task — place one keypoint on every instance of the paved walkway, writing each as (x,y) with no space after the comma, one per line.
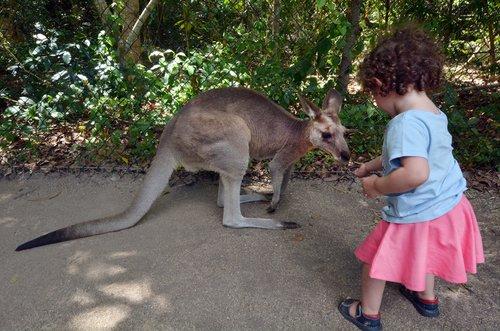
(180,269)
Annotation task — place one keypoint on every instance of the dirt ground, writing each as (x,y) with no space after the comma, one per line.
(181,269)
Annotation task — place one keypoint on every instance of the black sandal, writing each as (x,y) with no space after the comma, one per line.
(361,320)
(427,308)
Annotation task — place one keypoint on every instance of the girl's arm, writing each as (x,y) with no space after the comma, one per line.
(413,172)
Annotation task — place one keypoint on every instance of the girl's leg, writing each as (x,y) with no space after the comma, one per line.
(372,290)
(428,293)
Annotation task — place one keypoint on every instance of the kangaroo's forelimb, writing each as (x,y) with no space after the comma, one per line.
(281,168)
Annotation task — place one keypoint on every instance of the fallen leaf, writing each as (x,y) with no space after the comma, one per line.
(298,237)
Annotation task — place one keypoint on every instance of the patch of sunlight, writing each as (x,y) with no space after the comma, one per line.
(135,292)
(82,298)
(8,221)
(161,303)
(5,196)
(79,257)
(75,260)
(104,317)
(102,270)
(121,255)
(73,269)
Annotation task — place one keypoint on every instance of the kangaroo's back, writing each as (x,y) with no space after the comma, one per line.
(269,123)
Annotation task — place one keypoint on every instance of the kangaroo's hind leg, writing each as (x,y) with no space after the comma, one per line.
(232,213)
(244,198)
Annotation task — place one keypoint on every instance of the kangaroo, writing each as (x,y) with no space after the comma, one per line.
(221,130)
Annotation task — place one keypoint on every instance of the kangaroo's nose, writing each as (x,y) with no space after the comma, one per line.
(344,156)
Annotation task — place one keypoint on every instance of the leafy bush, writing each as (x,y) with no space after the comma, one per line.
(115,107)
(64,76)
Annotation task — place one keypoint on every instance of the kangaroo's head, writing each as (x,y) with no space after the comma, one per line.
(325,130)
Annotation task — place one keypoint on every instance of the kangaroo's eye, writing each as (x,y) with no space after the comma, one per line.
(326,135)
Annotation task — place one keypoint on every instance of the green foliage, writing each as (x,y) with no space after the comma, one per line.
(475,130)
(115,107)
(63,71)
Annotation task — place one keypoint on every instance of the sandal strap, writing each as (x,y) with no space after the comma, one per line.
(428,302)
(359,312)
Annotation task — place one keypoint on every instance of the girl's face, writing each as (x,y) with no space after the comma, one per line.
(386,103)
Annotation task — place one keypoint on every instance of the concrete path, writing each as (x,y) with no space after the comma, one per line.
(180,269)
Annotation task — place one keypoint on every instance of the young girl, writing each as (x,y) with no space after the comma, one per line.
(429,227)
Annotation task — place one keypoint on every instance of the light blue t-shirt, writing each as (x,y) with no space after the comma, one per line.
(424,134)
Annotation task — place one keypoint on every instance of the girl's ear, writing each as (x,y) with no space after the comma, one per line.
(309,108)
(374,86)
(378,82)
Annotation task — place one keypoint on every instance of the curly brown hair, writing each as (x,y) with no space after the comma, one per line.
(406,57)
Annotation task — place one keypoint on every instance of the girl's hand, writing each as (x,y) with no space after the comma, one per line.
(369,186)
(366,168)
(362,171)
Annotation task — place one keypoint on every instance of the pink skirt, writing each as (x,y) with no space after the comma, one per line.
(448,247)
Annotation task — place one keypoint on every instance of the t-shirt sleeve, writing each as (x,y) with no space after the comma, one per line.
(408,137)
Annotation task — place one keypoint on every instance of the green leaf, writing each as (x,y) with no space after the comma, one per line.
(55,114)
(58,75)
(25,101)
(83,78)
(320,3)
(190,69)
(66,56)
(12,110)
(40,37)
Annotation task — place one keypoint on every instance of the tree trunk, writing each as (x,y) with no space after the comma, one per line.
(102,10)
(275,29)
(491,35)
(129,45)
(449,26)
(387,11)
(352,35)
(275,25)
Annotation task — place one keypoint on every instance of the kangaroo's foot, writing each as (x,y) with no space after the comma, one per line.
(261,223)
(246,198)
(254,197)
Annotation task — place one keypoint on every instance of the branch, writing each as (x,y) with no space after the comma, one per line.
(354,12)
(136,29)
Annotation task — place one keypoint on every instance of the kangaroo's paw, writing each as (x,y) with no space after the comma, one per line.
(261,223)
(271,209)
(246,198)
(252,198)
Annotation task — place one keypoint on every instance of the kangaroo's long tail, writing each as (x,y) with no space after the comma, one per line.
(155,181)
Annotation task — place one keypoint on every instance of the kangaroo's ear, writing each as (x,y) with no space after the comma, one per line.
(332,102)
(310,108)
